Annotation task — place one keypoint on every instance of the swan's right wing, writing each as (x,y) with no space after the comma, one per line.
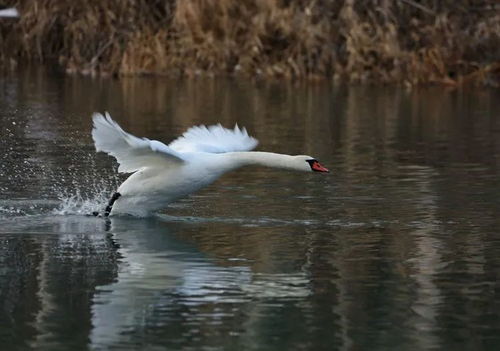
(214,139)
(131,152)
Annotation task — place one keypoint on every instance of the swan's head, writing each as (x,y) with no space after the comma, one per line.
(309,164)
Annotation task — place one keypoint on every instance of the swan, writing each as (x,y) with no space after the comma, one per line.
(163,173)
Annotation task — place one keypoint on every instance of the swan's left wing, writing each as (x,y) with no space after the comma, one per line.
(131,152)
(214,139)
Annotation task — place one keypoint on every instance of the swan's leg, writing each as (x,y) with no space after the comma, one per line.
(110,203)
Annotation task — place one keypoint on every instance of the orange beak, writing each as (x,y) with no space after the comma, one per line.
(317,167)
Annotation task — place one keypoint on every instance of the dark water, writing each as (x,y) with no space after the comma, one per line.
(398,248)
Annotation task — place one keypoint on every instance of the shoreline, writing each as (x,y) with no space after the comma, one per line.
(383,42)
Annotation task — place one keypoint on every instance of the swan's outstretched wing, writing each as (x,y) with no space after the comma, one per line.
(214,139)
(132,153)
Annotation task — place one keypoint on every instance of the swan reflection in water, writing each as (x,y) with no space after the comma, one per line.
(162,280)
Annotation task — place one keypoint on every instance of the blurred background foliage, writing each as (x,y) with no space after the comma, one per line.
(406,41)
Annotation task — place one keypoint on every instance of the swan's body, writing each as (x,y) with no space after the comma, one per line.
(163,174)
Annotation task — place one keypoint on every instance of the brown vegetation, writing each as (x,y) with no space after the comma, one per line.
(409,41)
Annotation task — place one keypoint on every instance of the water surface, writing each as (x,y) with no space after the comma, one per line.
(398,248)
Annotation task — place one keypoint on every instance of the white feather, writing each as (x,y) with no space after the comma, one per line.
(131,152)
(166,173)
(214,139)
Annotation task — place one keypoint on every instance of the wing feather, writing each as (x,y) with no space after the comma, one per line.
(214,139)
(131,152)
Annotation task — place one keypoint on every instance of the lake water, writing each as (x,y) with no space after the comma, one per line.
(397,248)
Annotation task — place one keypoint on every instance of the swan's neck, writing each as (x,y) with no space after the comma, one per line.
(257,158)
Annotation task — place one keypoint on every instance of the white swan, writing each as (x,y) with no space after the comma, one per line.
(162,174)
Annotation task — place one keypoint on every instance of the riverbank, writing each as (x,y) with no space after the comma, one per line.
(405,41)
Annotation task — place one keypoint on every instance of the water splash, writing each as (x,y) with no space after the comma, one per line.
(85,191)
(80,204)
(78,200)
(25,207)
(10,210)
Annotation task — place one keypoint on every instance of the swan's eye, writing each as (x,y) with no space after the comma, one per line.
(316,166)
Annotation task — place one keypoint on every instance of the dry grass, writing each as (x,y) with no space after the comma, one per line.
(407,41)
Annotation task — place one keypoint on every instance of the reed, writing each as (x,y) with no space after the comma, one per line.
(407,41)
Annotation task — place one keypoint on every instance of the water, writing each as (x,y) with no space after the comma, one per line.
(398,248)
